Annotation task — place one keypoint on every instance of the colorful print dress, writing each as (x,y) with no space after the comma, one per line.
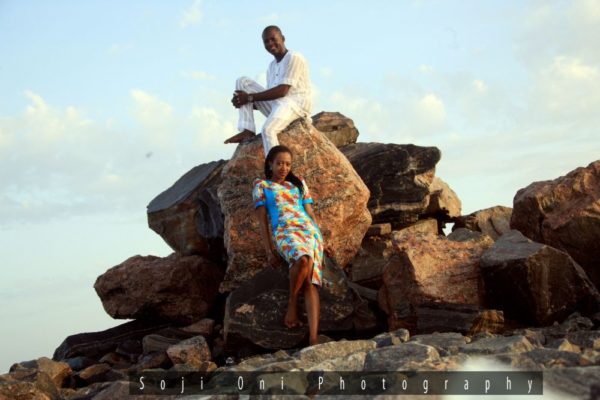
(295,233)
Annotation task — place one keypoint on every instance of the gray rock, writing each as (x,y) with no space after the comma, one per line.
(395,358)
(188,215)
(193,351)
(585,339)
(391,338)
(446,343)
(581,382)
(545,283)
(498,344)
(331,350)
(493,221)
(338,128)
(156,343)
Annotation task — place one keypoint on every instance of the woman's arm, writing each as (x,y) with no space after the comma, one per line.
(310,212)
(265,231)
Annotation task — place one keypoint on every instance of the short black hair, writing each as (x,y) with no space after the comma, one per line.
(272,27)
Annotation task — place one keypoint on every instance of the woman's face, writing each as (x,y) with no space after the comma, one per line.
(281,166)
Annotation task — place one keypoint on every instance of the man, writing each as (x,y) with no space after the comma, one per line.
(288,95)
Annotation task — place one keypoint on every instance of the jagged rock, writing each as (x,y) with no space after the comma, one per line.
(174,288)
(339,193)
(379,230)
(429,268)
(395,358)
(115,360)
(331,350)
(444,204)
(586,339)
(493,221)
(203,327)
(351,362)
(193,351)
(338,128)
(157,359)
(445,343)
(58,372)
(79,363)
(95,344)
(391,338)
(130,348)
(544,283)
(254,312)
(188,215)
(564,213)
(425,226)
(28,384)
(157,343)
(580,382)
(498,344)
(398,176)
(464,235)
(98,373)
(564,345)
(366,268)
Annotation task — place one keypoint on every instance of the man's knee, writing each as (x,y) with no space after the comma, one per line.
(241,83)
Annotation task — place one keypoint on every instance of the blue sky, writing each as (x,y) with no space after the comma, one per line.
(104,104)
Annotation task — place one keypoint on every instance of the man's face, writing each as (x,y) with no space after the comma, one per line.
(274,42)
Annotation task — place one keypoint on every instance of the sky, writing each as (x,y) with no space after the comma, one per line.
(104,104)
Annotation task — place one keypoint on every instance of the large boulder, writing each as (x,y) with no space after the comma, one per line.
(174,288)
(398,177)
(338,128)
(564,213)
(493,221)
(188,214)
(534,283)
(254,312)
(430,268)
(444,204)
(339,193)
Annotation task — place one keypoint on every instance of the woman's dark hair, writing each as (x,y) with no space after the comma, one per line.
(290,176)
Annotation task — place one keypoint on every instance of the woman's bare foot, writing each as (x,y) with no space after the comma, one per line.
(241,137)
(291,317)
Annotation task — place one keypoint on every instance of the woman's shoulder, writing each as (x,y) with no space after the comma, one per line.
(260,182)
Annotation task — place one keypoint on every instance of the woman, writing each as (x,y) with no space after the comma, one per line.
(288,228)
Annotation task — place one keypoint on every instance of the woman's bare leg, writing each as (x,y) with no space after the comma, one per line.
(300,269)
(312,303)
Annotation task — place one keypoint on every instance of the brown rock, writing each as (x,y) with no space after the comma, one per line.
(444,204)
(339,193)
(494,221)
(544,283)
(429,268)
(174,288)
(425,226)
(451,317)
(379,230)
(203,327)
(564,213)
(157,343)
(398,177)
(188,214)
(58,372)
(193,351)
(366,268)
(338,128)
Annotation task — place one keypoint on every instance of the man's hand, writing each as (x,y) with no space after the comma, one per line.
(239,98)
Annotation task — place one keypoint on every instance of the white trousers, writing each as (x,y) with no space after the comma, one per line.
(279,113)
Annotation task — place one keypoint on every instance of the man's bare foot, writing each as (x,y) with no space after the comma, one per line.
(291,317)
(241,137)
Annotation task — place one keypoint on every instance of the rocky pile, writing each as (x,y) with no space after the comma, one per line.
(398,294)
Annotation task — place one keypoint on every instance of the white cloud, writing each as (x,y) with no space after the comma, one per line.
(192,15)
(479,86)
(198,75)
(149,109)
(425,69)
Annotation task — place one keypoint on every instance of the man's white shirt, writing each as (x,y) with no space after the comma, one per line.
(292,70)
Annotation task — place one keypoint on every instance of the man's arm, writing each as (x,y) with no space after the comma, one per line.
(240,98)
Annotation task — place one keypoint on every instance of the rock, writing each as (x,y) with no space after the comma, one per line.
(351,362)
(193,351)
(398,177)
(564,345)
(174,288)
(425,226)
(188,215)
(157,343)
(338,128)
(493,221)
(498,344)
(254,312)
(366,268)
(464,235)
(79,363)
(332,350)
(203,327)
(585,339)
(544,283)
(391,338)
(580,382)
(379,230)
(444,205)
(157,359)
(58,372)
(339,193)
(564,213)
(463,318)
(429,268)
(94,373)
(446,343)
(395,358)
(95,344)
(115,360)
(28,384)
(130,348)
